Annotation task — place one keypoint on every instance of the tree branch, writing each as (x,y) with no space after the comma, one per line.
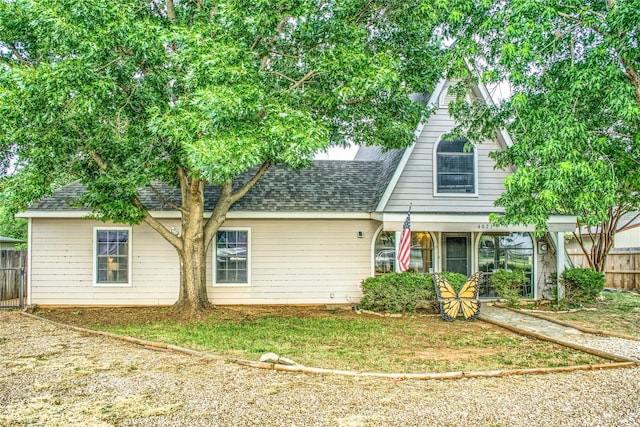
(588,12)
(174,240)
(581,23)
(630,71)
(632,74)
(219,213)
(265,59)
(184,185)
(283,76)
(363,12)
(256,42)
(101,163)
(234,197)
(570,17)
(165,200)
(156,225)
(628,223)
(300,82)
(171,11)
(227,199)
(20,58)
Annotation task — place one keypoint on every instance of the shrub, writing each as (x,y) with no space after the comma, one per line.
(508,285)
(398,293)
(582,285)
(456,280)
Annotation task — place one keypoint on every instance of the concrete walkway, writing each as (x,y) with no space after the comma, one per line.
(611,347)
(523,321)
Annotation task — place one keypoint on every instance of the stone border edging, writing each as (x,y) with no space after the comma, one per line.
(309,370)
(570,325)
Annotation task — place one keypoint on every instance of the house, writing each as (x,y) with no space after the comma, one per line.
(620,268)
(627,236)
(8,243)
(302,237)
(628,232)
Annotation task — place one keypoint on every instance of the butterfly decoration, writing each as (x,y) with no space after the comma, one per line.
(464,302)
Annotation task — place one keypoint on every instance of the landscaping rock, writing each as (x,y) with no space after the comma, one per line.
(269,358)
(274,358)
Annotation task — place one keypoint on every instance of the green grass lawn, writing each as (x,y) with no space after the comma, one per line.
(335,339)
(618,312)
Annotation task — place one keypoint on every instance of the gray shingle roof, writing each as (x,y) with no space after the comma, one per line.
(325,186)
(626,222)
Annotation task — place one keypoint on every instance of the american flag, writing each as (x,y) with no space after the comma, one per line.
(404,254)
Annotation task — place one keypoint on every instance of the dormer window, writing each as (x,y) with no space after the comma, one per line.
(455,167)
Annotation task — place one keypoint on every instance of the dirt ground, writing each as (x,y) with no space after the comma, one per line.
(54,376)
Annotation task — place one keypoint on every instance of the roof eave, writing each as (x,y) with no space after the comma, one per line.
(84,214)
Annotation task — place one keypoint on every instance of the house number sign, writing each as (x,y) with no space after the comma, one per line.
(485,226)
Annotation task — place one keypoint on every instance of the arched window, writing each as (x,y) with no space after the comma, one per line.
(456,167)
(421,259)
(513,251)
(385,252)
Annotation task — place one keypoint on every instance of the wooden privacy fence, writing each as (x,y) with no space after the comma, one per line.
(12,281)
(622,270)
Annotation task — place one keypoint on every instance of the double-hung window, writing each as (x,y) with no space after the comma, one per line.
(232,266)
(112,256)
(456,167)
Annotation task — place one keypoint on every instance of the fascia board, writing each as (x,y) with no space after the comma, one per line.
(433,100)
(230,215)
(468,222)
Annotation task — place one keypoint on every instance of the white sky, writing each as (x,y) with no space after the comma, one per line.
(338,154)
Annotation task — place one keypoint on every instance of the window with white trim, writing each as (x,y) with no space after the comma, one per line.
(232,257)
(508,251)
(456,167)
(112,259)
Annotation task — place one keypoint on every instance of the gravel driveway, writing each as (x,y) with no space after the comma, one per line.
(53,376)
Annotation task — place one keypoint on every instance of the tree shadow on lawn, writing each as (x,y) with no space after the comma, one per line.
(318,336)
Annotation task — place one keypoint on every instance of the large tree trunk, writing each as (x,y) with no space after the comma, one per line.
(197,233)
(193,253)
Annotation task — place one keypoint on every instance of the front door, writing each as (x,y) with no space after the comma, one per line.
(456,253)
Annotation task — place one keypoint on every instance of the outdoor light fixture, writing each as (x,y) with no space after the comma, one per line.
(543,248)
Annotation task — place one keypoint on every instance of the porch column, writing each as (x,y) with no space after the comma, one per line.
(560,262)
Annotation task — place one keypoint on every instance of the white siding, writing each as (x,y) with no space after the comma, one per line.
(292,262)
(302,262)
(62,266)
(627,239)
(415,185)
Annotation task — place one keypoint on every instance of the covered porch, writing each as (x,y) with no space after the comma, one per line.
(466,243)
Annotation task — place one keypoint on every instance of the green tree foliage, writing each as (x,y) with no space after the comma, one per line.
(574,115)
(10,226)
(125,94)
